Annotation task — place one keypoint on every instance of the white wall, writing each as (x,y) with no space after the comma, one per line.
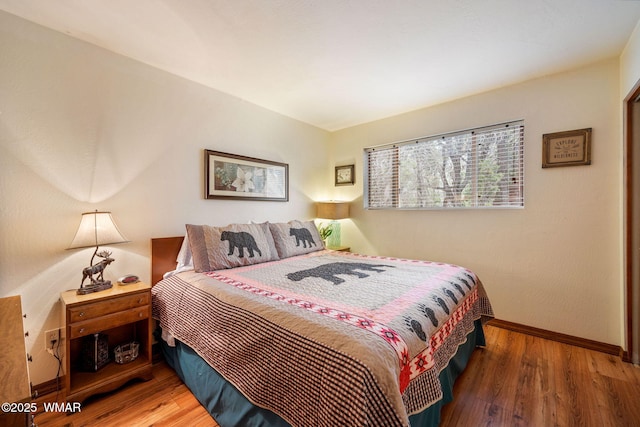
(82,129)
(554,264)
(630,63)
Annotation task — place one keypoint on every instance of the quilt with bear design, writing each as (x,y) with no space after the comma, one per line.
(328,338)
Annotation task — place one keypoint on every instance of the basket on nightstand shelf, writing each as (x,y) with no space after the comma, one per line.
(125,353)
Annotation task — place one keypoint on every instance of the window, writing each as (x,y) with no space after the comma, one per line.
(475,168)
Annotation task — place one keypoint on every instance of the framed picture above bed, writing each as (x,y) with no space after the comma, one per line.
(230,176)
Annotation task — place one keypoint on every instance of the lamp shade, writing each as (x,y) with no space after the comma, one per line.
(332,210)
(97,229)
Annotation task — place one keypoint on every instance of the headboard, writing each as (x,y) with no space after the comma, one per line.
(164,251)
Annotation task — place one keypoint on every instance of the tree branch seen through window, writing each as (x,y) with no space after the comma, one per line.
(471,169)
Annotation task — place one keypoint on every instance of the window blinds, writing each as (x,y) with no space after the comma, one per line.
(475,168)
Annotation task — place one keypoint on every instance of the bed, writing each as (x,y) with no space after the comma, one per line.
(269,328)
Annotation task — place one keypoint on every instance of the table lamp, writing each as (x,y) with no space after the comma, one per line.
(333,210)
(96,229)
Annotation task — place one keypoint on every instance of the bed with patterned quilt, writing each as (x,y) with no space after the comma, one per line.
(267,327)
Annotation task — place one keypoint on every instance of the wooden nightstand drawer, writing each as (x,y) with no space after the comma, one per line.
(97,309)
(93,326)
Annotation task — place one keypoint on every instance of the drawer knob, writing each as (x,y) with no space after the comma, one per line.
(140,301)
(140,314)
(81,314)
(81,330)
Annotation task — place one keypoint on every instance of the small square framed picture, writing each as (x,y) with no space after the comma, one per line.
(569,148)
(345,175)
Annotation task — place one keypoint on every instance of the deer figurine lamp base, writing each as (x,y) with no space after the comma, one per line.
(97,283)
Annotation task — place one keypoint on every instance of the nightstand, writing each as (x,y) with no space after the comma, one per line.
(123,314)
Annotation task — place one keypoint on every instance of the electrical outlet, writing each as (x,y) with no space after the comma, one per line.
(51,340)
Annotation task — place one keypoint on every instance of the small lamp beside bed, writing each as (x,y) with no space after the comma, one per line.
(333,210)
(96,229)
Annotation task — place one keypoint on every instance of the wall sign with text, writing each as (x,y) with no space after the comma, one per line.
(569,148)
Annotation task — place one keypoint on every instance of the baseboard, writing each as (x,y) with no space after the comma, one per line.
(47,387)
(562,338)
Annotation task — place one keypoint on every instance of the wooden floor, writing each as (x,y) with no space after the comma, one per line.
(520,380)
(517,380)
(162,401)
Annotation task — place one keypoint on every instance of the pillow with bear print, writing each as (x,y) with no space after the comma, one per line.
(217,248)
(296,238)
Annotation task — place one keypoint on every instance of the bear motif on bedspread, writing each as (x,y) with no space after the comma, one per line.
(331,272)
(413,307)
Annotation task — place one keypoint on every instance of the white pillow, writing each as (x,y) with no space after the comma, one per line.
(184,259)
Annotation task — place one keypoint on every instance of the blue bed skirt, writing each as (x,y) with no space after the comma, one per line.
(230,408)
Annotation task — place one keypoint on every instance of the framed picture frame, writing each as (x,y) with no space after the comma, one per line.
(569,148)
(230,176)
(345,175)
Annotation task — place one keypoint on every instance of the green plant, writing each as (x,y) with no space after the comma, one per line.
(325,231)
